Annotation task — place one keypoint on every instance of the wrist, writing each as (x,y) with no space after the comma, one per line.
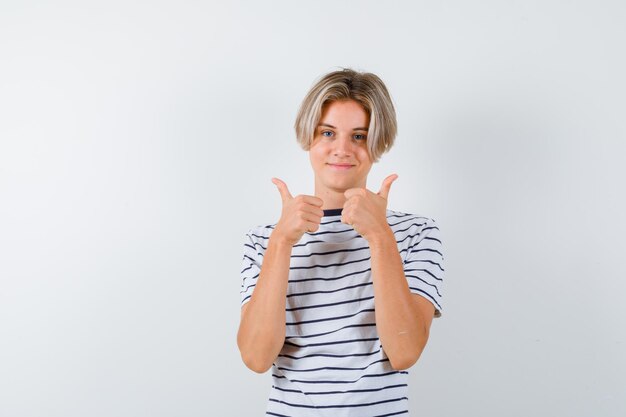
(278,239)
(382,238)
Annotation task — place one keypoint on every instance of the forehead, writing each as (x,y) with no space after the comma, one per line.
(347,113)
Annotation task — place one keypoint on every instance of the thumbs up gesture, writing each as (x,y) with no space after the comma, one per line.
(300,214)
(365,211)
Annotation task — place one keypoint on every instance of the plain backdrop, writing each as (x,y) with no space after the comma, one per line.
(137,144)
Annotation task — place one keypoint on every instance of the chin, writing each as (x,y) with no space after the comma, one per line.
(341,185)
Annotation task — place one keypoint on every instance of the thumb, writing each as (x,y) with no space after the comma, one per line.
(282,189)
(384,189)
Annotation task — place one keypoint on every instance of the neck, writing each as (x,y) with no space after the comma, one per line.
(332,198)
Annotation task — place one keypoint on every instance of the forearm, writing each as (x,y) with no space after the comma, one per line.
(261,332)
(400,327)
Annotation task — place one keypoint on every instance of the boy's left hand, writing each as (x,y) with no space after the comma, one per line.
(365,211)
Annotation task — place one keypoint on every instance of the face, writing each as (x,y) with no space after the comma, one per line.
(340,139)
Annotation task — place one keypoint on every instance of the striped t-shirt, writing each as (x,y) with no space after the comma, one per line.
(332,362)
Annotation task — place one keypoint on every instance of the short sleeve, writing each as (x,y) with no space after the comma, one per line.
(250,267)
(423,265)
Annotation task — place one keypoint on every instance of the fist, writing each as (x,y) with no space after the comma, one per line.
(300,214)
(366,212)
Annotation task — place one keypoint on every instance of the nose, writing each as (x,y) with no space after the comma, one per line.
(343,144)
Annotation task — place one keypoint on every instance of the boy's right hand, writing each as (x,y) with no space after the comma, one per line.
(300,214)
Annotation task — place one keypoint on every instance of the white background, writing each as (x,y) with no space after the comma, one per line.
(137,145)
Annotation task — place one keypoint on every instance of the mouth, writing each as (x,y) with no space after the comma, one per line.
(341,167)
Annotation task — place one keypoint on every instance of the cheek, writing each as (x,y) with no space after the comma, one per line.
(317,153)
(316,158)
(364,156)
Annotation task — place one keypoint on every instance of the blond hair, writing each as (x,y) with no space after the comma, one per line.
(365,88)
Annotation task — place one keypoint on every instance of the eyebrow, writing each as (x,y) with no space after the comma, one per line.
(331,126)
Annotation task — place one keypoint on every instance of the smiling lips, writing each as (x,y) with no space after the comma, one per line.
(341,166)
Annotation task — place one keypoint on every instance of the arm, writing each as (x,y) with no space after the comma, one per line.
(403,319)
(261,332)
(262,328)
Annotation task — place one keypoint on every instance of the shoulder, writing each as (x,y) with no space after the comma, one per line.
(261,231)
(401,222)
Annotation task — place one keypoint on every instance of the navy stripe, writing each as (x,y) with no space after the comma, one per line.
(298,245)
(403,221)
(329,304)
(296,323)
(341,392)
(327,355)
(425,238)
(331,278)
(423,260)
(290,390)
(333,331)
(299,294)
(391,414)
(332,221)
(414,217)
(337,342)
(250,278)
(418,234)
(349,250)
(341,382)
(407,237)
(333,232)
(422,270)
(427,283)
(247,288)
(339,405)
(409,227)
(333,367)
(427,295)
(425,249)
(331,252)
(310,242)
(400,214)
(331,265)
(431,238)
(338,222)
(259,236)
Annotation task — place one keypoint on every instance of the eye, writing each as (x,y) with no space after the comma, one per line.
(359,136)
(326,131)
